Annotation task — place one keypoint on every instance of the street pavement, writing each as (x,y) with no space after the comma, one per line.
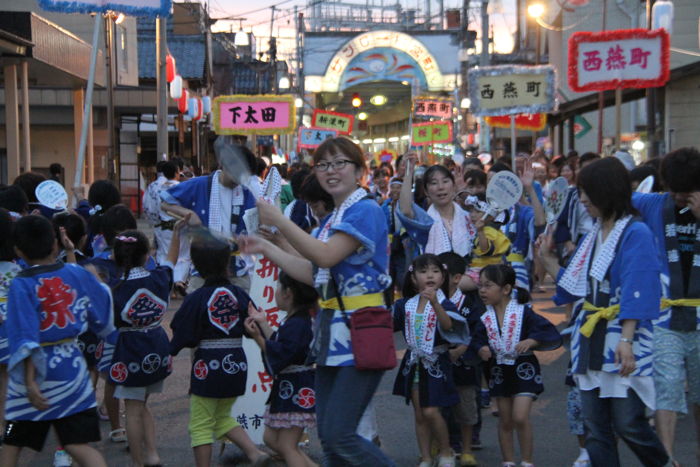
(554,446)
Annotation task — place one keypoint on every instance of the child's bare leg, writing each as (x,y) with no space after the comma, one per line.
(288,444)
(150,453)
(94,376)
(422,429)
(85,455)
(467,431)
(135,429)
(521,421)
(202,455)
(505,428)
(270,438)
(111,405)
(438,429)
(9,455)
(241,439)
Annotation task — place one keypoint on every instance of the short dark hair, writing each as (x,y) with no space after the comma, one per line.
(680,170)
(55,168)
(297,181)
(178,161)
(312,191)
(472,161)
(432,170)
(344,146)
(587,157)
(638,174)
(28,181)
(117,219)
(130,247)
(169,170)
(159,166)
(34,237)
(6,242)
(500,167)
(304,297)
(210,256)
(455,263)
(420,262)
(105,193)
(502,275)
(74,225)
(13,199)
(606,183)
(478,175)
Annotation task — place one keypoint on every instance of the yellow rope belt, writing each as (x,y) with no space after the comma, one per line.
(611,312)
(354,302)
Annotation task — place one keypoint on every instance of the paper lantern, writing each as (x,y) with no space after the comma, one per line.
(176,87)
(192,108)
(170,68)
(183,101)
(206,105)
(200,109)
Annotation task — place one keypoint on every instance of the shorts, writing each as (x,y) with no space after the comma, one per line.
(466,411)
(676,357)
(138,393)
(280,420)
(79,428)
(210,419)
(573,412)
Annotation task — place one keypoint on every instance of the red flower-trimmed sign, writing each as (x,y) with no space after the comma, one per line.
(531,122)
(626,58)
(427,133)
(342,123)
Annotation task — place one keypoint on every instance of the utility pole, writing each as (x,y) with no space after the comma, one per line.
(161,90)
(300,62)
(652,143)
(484,133)
(109,63)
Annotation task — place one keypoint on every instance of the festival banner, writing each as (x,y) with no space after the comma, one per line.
(311,138)
(432,107)
(427,133)
(260,114)
(249,409)
(342,123)
(532,122)
(129,7)
(511,89)
(625,58)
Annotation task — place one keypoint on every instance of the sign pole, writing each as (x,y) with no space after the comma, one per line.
(618,116)
(88,102)
(512,141)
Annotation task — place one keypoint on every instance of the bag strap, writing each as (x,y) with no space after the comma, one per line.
(340,300)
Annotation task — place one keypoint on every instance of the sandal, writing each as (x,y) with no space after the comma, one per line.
(118,435)
(180,288)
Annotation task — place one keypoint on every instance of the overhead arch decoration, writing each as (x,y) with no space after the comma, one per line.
(411,52)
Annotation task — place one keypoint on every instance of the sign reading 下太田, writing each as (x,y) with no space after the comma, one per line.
(423,134)
(342,123)
(129,7)
(532,122)
(511,89)
(260,114)
(626,58)
(432,107)
(311,138)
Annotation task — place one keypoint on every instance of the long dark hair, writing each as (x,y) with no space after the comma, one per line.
(606,183)
(420,262)
(502,275)
(304,297)
(130,249)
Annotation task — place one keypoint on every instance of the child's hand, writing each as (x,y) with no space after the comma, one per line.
(252,327)
(624,356)
(480,223)
(257,314)
(456,353)
(35,397)
(525,345)
(527,176)
(67,244)
(177,228)
(430,294)
(485,353)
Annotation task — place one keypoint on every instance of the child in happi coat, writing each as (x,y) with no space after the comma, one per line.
(490,244)
(8,270)
(211,319)
(292,403)
(49,304)
(465,359)
(430,322)
(508,333)
(141,359)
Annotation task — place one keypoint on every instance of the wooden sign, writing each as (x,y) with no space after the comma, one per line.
(259,114)
(511,89)
(531,122)
(311,138)
(432,107)
(342,123)
(423,134)
(626,58)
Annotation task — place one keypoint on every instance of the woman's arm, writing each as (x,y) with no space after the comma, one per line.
(527,177)
(297,267)
(406,196)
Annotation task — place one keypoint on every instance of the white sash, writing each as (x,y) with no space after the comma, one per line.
(439,239)
(422,342)
(503,341)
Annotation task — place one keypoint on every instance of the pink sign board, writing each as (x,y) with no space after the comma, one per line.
(260,114)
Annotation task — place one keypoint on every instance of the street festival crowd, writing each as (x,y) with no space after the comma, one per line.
(436,252)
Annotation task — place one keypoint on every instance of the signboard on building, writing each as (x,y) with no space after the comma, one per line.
(258,114)
(531,122)
(342,123)
(311,138)
(511,89)
(626,58)
(432,107)
(129,7)
(423,134)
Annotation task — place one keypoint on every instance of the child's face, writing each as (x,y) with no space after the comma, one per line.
(475,188)
(428,276)
(492,293)
(283,297)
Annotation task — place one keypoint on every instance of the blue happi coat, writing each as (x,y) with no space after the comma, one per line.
(142,353)
(211,319)
(48,307)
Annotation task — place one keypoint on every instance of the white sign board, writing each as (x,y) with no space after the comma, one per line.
(129,7)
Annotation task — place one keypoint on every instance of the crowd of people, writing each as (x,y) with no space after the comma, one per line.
(405,246)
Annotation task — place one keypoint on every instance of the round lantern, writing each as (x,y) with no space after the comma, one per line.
(200,109)
(183,101)
(176,87)
(206,105)
(170,68)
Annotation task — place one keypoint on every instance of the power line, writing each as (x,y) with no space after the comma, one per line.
(238,15)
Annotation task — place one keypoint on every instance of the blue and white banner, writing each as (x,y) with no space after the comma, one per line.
(128,7)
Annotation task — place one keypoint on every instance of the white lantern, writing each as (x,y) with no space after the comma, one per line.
(176,87)
(662,15)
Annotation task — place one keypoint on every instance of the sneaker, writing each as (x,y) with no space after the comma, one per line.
(467,460)
(445,462)
(62,459)
(485,399)
(476,442)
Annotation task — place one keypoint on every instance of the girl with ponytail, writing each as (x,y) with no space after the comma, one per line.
(506,336)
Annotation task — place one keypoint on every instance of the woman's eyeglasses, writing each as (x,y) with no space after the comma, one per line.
(338,164)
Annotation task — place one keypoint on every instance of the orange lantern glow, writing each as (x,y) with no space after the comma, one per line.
(170,68)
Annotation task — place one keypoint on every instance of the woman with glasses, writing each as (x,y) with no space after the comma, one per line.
(345,257)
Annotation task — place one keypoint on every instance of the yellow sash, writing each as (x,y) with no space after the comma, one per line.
(354,302)
(515,257)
